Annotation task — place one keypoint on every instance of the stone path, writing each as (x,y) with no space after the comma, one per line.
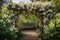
(29,35)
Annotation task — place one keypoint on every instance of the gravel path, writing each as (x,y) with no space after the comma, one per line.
(29,35)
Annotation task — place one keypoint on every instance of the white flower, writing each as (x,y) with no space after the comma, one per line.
(13,26)
(16,30)
(11,29)
(1,20)
(5,39)
(4,25)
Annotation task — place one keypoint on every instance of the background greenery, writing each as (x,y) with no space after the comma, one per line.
(51,31)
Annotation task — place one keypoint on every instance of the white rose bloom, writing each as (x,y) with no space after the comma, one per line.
(16,30)
(13,26)
(11,29)
(1,20)
(4,25)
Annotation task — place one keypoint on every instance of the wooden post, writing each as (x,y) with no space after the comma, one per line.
(16,20)
(42,27)
(15,17)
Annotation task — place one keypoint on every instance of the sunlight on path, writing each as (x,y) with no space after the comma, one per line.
(29,35)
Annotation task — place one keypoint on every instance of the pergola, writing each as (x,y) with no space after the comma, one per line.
(37,8)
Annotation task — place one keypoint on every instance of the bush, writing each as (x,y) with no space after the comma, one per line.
(52,31)
(57,5)
(7,30)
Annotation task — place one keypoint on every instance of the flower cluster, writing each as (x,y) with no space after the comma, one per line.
(32,7)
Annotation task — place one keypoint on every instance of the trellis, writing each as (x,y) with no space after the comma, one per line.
(37,8)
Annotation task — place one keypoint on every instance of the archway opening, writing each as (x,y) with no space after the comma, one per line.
(29,24)
(28,21)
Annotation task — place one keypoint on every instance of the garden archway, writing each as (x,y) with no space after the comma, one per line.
(38,9)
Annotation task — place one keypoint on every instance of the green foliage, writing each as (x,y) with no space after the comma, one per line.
(25,18)
(52,31)
(7,30)
(57,4)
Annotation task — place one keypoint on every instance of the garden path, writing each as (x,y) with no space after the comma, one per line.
(29,35)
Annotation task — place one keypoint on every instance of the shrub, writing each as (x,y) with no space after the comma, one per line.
(52,31)
(7,30)
(57,4)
